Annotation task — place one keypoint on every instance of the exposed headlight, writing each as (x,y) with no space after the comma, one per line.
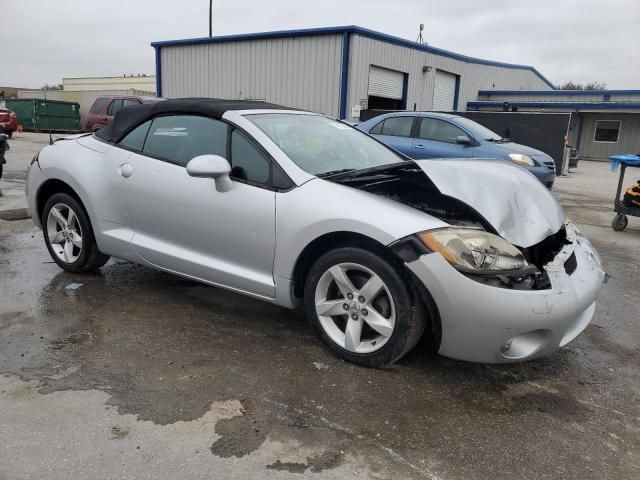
(522,159)
(472,249)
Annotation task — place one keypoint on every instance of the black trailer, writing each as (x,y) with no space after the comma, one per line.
(4,146)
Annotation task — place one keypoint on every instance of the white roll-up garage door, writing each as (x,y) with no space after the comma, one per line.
(386,83)
(444,91)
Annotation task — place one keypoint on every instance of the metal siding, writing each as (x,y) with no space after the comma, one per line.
(473,76)
(628,140)
(298,72)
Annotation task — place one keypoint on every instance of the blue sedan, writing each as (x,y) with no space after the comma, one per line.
(440,135)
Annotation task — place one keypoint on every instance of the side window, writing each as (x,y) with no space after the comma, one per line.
(397,126)
(607,131)
(179,138)
(247,162)
(439,130)
(135,138)
(377,130)
(127,102)
(98,105)
(115,106)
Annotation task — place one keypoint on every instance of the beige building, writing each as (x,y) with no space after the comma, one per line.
(142,82)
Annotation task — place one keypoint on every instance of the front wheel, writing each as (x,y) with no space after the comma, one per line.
(69,237)
(362,308)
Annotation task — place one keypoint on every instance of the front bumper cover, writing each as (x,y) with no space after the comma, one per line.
(487,324)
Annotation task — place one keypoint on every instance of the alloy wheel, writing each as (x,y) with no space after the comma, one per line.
(355,308)
(64,233)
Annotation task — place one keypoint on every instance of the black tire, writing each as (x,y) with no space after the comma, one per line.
(619,222)
(410,313)
(89,258)
(0,171)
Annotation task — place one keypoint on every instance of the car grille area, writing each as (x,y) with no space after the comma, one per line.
(544,252)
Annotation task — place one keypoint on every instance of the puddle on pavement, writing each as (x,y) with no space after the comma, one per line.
(165,348)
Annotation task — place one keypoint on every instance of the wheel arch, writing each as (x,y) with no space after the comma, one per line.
(323,244)
(51,187)
(330,241)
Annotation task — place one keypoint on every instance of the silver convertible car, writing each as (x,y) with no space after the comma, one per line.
(297,208)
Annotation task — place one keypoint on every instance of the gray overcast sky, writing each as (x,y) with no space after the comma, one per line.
(581,40)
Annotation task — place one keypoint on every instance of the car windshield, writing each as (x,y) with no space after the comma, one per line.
(477,130)
(322,146)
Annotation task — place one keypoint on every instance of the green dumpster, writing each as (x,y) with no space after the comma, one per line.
(46,115)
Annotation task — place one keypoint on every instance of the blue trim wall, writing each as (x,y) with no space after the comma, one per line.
(344,74)
(352,29)
(576,93)
(158,73)
(456,95)
(581,118)
(577,106)
(405,91)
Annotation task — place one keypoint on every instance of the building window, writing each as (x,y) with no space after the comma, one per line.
(607,131)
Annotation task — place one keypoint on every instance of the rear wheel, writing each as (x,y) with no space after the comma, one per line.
(619,222)
(68,235)
(362,308)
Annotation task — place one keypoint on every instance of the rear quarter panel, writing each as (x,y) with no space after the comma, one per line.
(91,173)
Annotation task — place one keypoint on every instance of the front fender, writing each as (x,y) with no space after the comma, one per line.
(320,207)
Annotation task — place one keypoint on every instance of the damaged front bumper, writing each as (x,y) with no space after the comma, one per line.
(488,324)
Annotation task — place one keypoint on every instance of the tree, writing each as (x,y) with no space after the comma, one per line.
(46,86)
(587,86)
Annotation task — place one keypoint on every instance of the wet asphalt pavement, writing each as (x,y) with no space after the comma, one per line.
(140,374)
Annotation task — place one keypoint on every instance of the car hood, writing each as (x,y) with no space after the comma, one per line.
(513,201)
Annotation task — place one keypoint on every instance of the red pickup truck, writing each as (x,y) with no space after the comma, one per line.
(8,123)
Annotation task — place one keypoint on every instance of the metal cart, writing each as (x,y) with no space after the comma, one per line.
(620,221)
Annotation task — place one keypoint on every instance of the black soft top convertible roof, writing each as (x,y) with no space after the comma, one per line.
(130,117)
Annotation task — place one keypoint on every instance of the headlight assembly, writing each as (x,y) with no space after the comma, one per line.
(474,250)
(522,159)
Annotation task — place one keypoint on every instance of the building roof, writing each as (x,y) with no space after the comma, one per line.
(576,93)
(130,117)
(574,106)
(346,30)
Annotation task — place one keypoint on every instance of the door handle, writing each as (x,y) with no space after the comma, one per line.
(420,146)
(126,170)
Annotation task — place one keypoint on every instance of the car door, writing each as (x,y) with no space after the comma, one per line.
(395,132)
(437,138)
(184,224)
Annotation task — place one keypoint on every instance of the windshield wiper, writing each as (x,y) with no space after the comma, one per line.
(498,140)
(335,172)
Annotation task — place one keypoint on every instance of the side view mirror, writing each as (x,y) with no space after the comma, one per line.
(212,166)
(463,140)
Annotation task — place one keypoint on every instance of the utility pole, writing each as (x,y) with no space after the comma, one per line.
(211,18)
